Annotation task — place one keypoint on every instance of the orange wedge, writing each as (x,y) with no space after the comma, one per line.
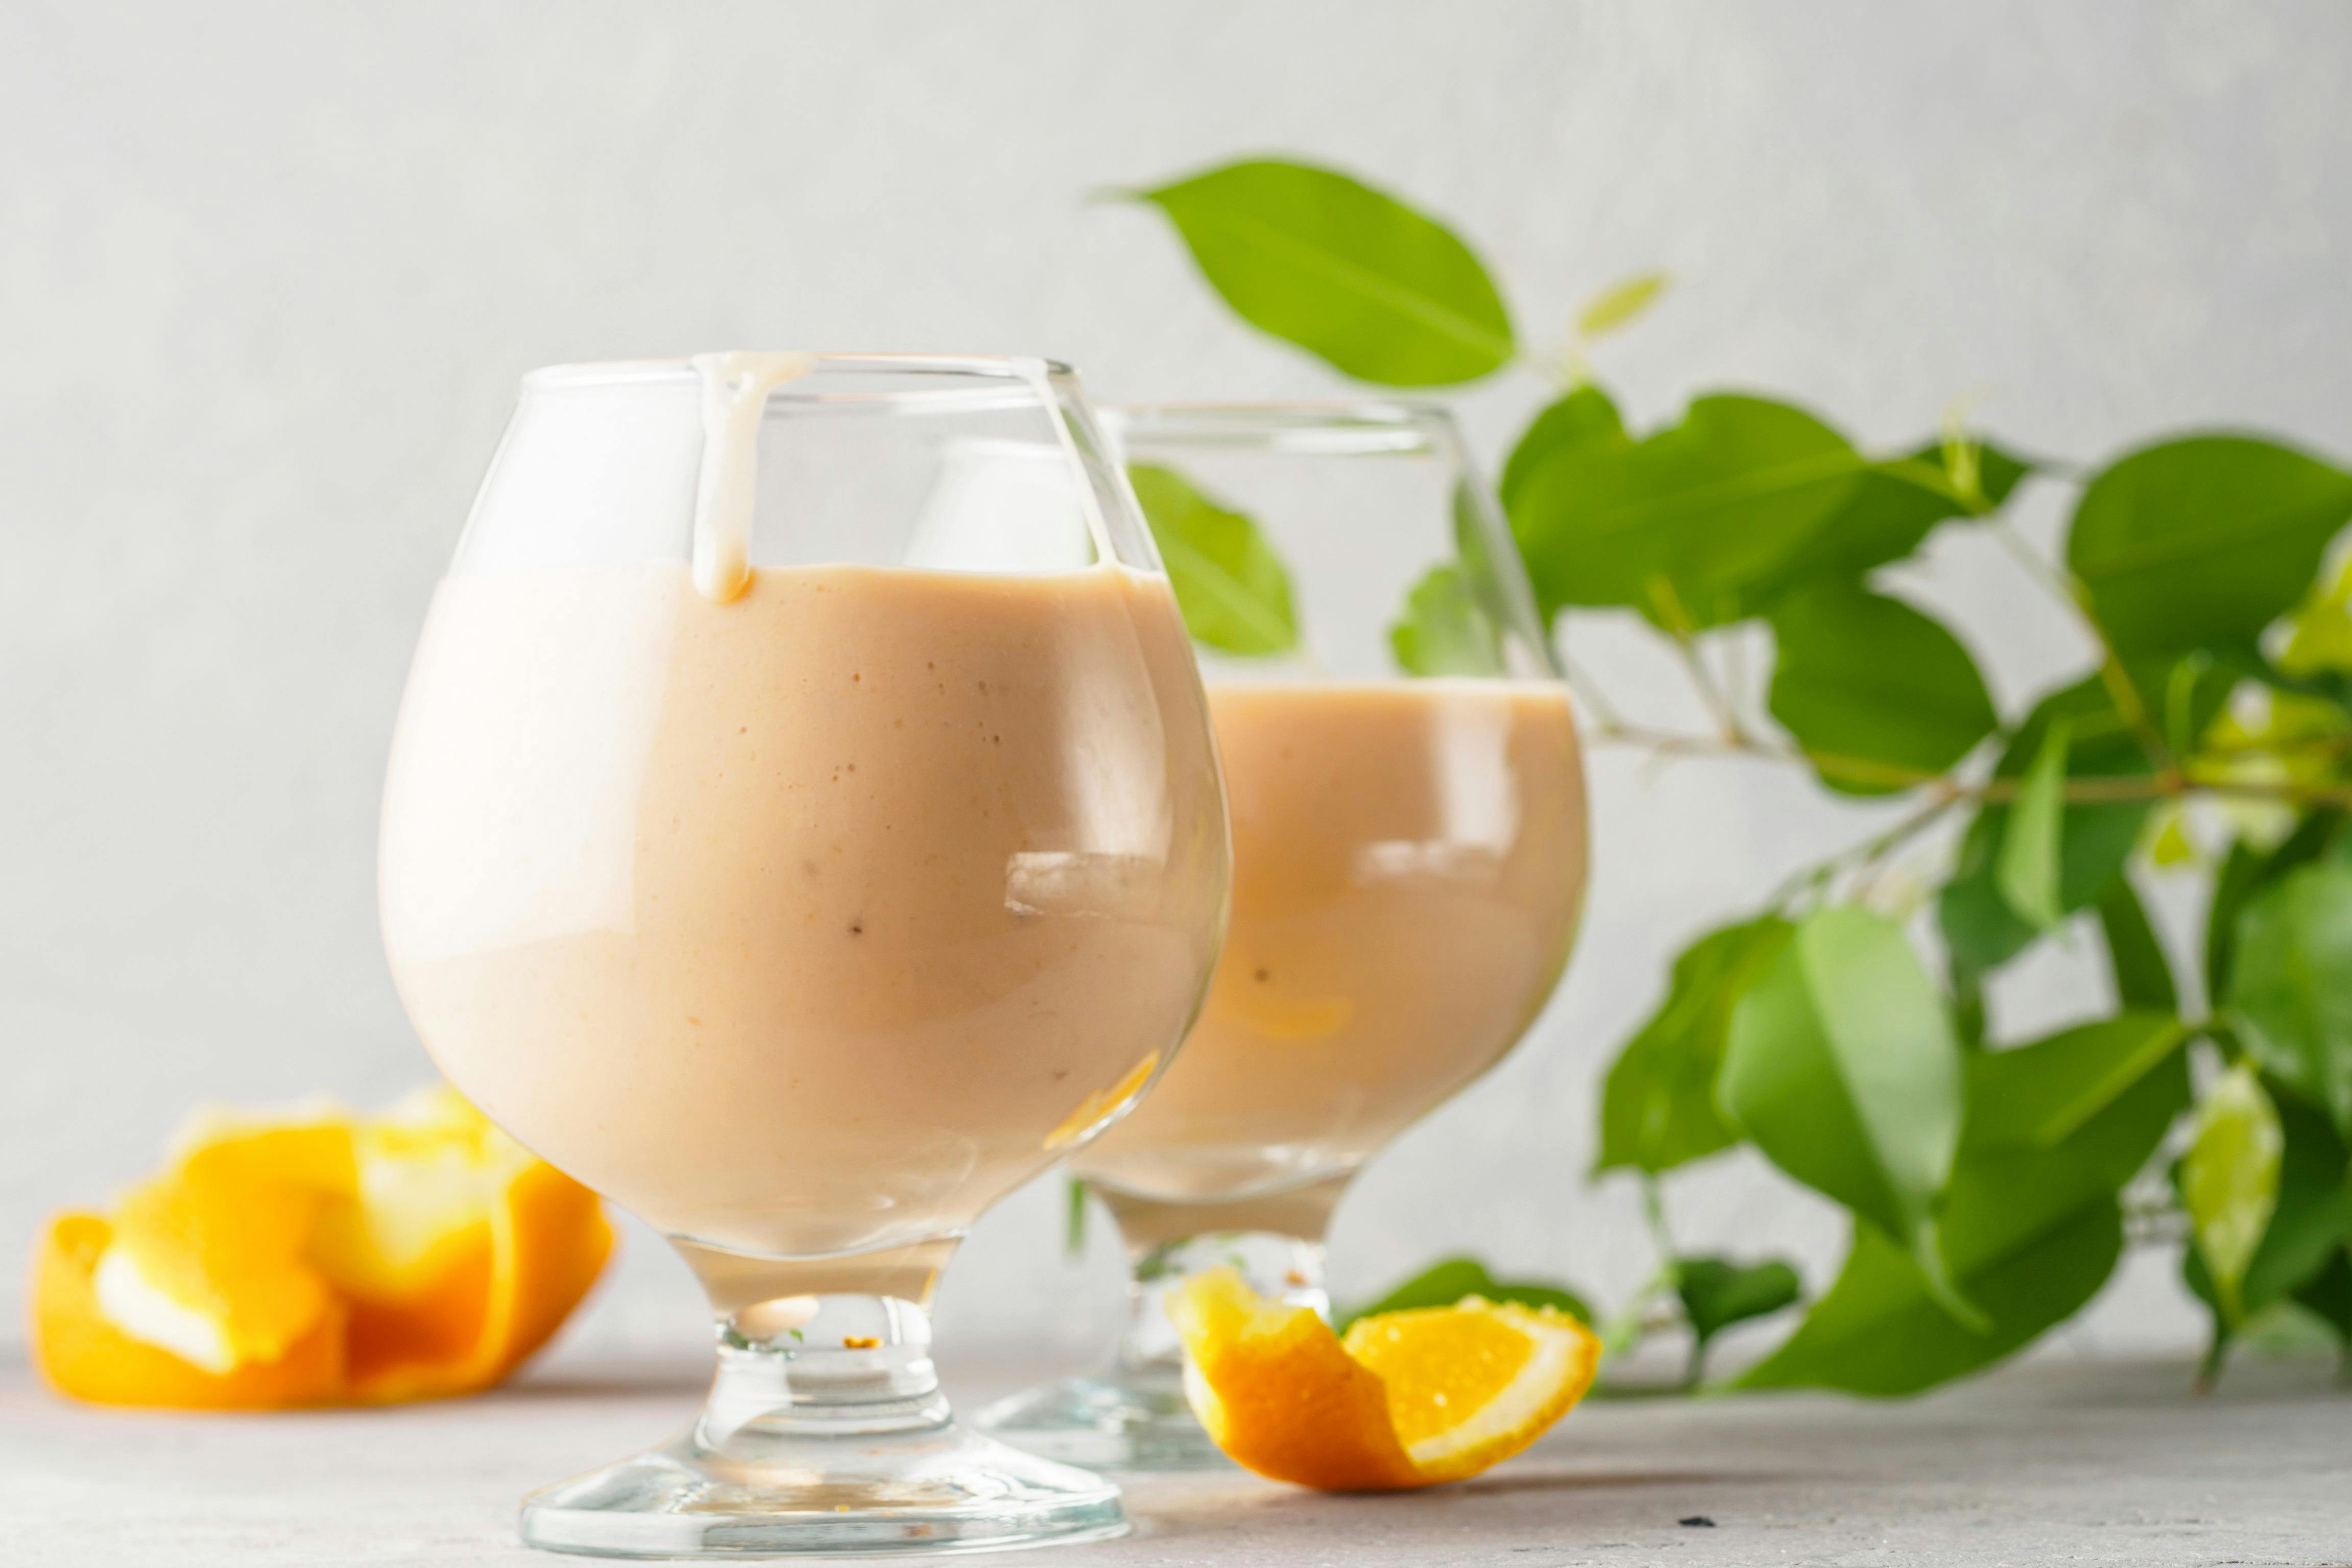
(1408,1400)
(318,1259)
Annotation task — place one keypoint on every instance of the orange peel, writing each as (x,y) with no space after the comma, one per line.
(318,1259)
(1408,1400)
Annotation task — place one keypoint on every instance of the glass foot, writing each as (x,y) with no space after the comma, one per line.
(826,1435)
(1118,1419)
(949,1490)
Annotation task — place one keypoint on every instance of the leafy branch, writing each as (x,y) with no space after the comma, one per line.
(1993,1183)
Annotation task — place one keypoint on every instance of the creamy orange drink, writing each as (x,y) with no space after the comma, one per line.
(1406,795)
(1407,864)
(802,828)
(814,920)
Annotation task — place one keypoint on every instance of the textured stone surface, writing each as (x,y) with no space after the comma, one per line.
(2110,1465)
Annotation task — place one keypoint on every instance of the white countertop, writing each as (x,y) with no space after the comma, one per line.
(2055,1462)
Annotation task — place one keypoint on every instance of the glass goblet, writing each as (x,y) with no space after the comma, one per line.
(803,846)
(1407,797)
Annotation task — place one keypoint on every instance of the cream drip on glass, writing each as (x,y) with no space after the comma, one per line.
(735,388)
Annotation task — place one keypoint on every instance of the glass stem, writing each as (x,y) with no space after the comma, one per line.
(1275,1265)
(1275,1239)
(802,1367)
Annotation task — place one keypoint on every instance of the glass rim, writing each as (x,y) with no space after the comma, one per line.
(1331,427)
(1031,374)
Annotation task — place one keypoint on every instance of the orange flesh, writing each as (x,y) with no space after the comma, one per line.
(1460,1387)
(1435,1363)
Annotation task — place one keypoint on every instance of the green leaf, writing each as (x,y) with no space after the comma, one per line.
(1658,1109)
(1381,291)
(1880,1329)
(2330,1294)
(2230,1180)
(2029,1233)
(1874,690)
(2242,872)
(1999,472)
(1232,588)
(1585,414)
(1980,931)
(2082,1108)
(2313,1218)
(1713,519)
(1446,630)
(1687,523)
(2290,995)
(2202,542)
(1442,1284)
(2321,642)
(2029,869)
(2245,872)
(1969,1009)
(2095,838)
(1891,511)
(2142,974)
(2287,1331)
(2039,1095)
(2302,1249)
(2100,1156)
(1718,1292)
(2172,846)
(1842,1068)
(1620,302)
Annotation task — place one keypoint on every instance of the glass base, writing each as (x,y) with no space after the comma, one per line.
(1120,1418)
(945,1490)
(826,1435)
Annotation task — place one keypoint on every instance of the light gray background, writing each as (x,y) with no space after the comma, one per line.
(268,275)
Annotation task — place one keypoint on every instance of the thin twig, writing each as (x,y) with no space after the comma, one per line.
(1567,370)
(1654,1214)
(2078,791)
(1633,1321)
(1588,690)
(1718,705)
(2068,589)
(1735,668)
(1873,849)
(1686,642)
(2322,749)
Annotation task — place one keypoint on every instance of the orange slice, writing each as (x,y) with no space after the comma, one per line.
(319,1259)
(1409,1399)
